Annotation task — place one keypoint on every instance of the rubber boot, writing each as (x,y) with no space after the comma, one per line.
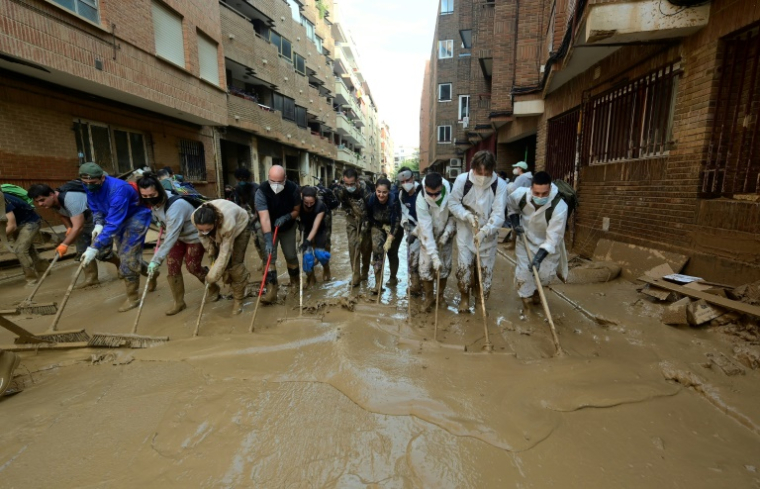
(31,277)
(177,286)
(90,275)
(441,290)
(311,279)
(326,275)
(464,301)
(213,293)
(415,289)
(365,271)
(429,287)
(393,281)
(114,260)
(133,296)
(356,278)
(153,281)
(527,303)
(8,363)
(295,280)
(238,296)
(270,296)
(378,283)
(535,298)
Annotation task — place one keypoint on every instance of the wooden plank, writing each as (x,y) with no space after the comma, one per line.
(710,298)
(44,346)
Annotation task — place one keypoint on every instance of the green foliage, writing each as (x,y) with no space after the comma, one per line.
(322,9)
(411,163)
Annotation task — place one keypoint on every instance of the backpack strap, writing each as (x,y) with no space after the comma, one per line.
(494,185)
(170,201)
(523,202)
(551,208)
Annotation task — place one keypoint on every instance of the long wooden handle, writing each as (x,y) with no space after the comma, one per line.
(57,318)
(544,302)
(382,274)
(142,301)
(44,276)
(482,299)
(200,313)
(437,297)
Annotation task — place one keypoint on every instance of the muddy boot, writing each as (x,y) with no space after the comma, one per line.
(295,280)
(441,290)
(326,275)
(527,304)
(429,287)
(90,275)
(365,271)
(378,283)
(8,363)
(153,281)
(177,286)
(393,281)
(311,279)
(270,296)
(238,296)
(41,266)
(464,301)
(133,296)
(415,289)
(356,278)
(115,261)
(213,293)
(535,298)
(31,277)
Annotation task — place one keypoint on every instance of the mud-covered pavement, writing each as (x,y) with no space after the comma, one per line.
(366,398)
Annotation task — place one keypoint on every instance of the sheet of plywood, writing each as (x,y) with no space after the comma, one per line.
(637,260)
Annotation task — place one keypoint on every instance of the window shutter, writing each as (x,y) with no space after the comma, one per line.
(208,57)
(168,32)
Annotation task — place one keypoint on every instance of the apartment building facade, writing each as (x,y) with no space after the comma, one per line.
(202,87)
(387,150)
(650,110)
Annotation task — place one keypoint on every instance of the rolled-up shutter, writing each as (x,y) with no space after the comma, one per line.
(168,32)
(208,60)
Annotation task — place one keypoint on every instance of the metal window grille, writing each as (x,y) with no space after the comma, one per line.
(192,160)
(733,160)
(561,138)
(632,121)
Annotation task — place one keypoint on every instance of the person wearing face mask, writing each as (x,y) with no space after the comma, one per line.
(223,231)
(408,197)
(354,196)
(523,177)
(278,203)
(435,229)
(119,218)
(540,213)
(478,201)
(384,219)
(316,228)
(180,240)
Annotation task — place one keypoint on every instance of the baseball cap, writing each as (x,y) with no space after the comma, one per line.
(520,164)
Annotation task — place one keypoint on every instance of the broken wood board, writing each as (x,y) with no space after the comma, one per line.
(700,312)
(675,314)
(637,260)
(709,298)
(659,294)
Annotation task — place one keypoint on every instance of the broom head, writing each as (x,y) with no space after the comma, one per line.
(108,340)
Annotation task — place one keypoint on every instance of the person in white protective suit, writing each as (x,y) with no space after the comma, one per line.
(478,202)
(408,195)
(435,229)
(540,213)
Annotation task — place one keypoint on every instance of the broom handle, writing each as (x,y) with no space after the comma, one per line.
(44,276)
(356,259)
(263,279)
(147,283)
(300,286)
(54,325)
(437,297)
(482,299)
(382,273)
(200,313)
(544,302)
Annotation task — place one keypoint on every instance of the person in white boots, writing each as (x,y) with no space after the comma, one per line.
(478,202)
(435,229)
(540,213)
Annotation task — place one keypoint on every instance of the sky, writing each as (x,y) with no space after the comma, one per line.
(394,39)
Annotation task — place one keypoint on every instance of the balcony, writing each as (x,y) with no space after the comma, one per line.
(347,156)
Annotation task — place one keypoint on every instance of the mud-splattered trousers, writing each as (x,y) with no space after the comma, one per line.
(413,254)
(192,254)
(129,241)
(84,240)
(287,242)
(236,275)
(22,244)
(467,260)
(445,253)
(360,243)
(379,236)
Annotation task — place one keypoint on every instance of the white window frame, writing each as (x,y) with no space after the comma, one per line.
(208,68)
(440,87)
(111,142)
(446,47)
(166,42)
(93,4)
(461,115)
(445,4)
(441,141)
(310,28)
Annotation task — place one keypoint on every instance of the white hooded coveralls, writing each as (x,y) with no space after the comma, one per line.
(549,236)
(432,222)
(489,207)
(413,248)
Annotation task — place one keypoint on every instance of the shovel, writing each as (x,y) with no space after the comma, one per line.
(555,338)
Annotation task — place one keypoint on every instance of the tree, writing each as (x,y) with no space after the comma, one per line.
(411,163)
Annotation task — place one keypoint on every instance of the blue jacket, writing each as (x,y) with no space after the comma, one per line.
(112,206)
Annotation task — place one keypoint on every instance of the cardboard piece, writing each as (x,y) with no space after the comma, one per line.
(701,312)
(659,271)
(675,314)
(658,293)
(637,260)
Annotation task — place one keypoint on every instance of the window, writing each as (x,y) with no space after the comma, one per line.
(285,105)
(283,45)
(301,118)
(116,150)
(464,106)
(444,92)
(445,49)
(318,44)
(632,121)
(444,134)
(561,138)
(208,58)
(295,10)
(167,26)
(300,63)
(309,28)
(466,36)
(447,7)
(84,8)
(192,160)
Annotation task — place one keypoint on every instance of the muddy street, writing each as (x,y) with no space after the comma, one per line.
(355,394)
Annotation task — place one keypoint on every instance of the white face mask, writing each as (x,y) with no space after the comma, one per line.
(479,180)
(516,171)
(408,186)
(432,200)
(276,187)
(205,234)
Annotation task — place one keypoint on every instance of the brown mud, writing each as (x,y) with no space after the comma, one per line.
(364,397)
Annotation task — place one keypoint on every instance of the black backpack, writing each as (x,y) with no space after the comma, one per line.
(566,193)
(328,197)
(70,186)
(193,200)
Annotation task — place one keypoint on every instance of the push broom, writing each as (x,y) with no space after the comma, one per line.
(44,309)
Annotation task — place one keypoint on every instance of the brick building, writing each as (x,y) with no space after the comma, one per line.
(650,110)
(202,87)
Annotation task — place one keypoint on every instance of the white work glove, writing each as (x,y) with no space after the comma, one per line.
(436,262)
(89,254)
(444,239)
(482,234)
(96,231)
(473,220)
(388,243)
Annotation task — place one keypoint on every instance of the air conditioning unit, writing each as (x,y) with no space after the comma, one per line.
(455,163)
(454,172)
